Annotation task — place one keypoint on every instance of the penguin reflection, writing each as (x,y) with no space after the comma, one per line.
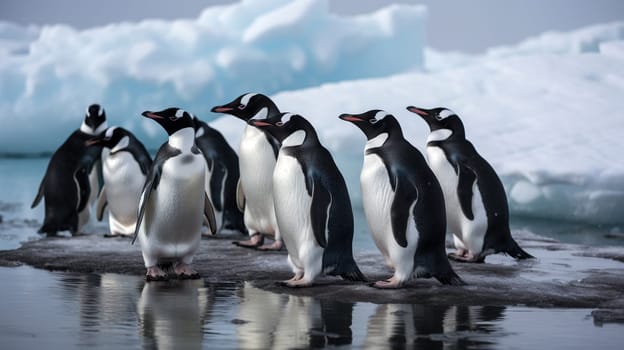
(278,321)
(171,314)
(105,301)
(431,326)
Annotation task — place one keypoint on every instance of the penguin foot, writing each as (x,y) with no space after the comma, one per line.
(154,273)
(466,257)
(391,283)
(276,246)
(300,283)
(194,276)
(253,242)
(298,276)
(185,272)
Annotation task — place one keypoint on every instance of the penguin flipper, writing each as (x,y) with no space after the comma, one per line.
(101,204)
(145,195)
(39,194)
(319,211)
(83,188)
(466,180)
(209,214)
(405,197)
(219,172)
(240,196)
(151,182)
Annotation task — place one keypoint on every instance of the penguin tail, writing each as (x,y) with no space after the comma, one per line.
(451,278)
(354,275)
(166,266)
(436,264)
(345,268)
(514,250)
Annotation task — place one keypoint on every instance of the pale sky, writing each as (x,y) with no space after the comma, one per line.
(462,25)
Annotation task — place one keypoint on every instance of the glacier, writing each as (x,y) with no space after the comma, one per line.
(546,112)
(49,75)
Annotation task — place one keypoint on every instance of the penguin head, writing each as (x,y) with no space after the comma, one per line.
(202,128)
(94,121)
(171,119)
(374,122)
(109,138)
(249,106)
(197,125)
(442,121)
(284,125)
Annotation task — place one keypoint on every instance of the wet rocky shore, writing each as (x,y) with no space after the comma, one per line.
(563,275)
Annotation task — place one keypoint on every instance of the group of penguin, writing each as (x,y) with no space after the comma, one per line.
(285,184)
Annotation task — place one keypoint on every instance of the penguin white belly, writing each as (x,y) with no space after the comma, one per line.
(292,209)
(218,213)
(471,233)
(171,227)
(377,197)
(257,162)
(124,182)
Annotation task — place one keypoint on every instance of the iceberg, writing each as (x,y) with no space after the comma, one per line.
(48,75)
(546,113)
(549,122)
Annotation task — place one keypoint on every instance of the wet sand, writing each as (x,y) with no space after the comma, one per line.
(562,276)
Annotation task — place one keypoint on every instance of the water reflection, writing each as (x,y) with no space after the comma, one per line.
(109,311)
(400,326)
(171,314)
(105,303)
(278,321)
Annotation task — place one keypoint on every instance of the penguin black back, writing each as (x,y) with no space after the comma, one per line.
(448,134)
(331,213)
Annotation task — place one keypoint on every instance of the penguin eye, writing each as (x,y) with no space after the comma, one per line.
(373,120)
(438,117)
(241,106)
(279,123)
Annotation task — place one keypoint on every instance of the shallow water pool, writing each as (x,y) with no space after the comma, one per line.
(103,311)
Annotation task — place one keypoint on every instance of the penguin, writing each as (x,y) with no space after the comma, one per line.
(222,176)
(476,205)
(312,204)
(70,182)
(403,203)
(257,155)
(124,171)
(173,200)
(172,315)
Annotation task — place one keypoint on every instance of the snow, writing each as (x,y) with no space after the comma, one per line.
(546,113)
(49,75)
(550,124)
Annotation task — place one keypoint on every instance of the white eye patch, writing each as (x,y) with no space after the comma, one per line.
(285,119)
(200,132)
(445,113)
(179,113)
(109,132)
(100,111)
(379,116)
(245,100)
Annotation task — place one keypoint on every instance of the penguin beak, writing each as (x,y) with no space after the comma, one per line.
(420,111)
(350,118)
(259,123)
(151,115)
(221,109)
